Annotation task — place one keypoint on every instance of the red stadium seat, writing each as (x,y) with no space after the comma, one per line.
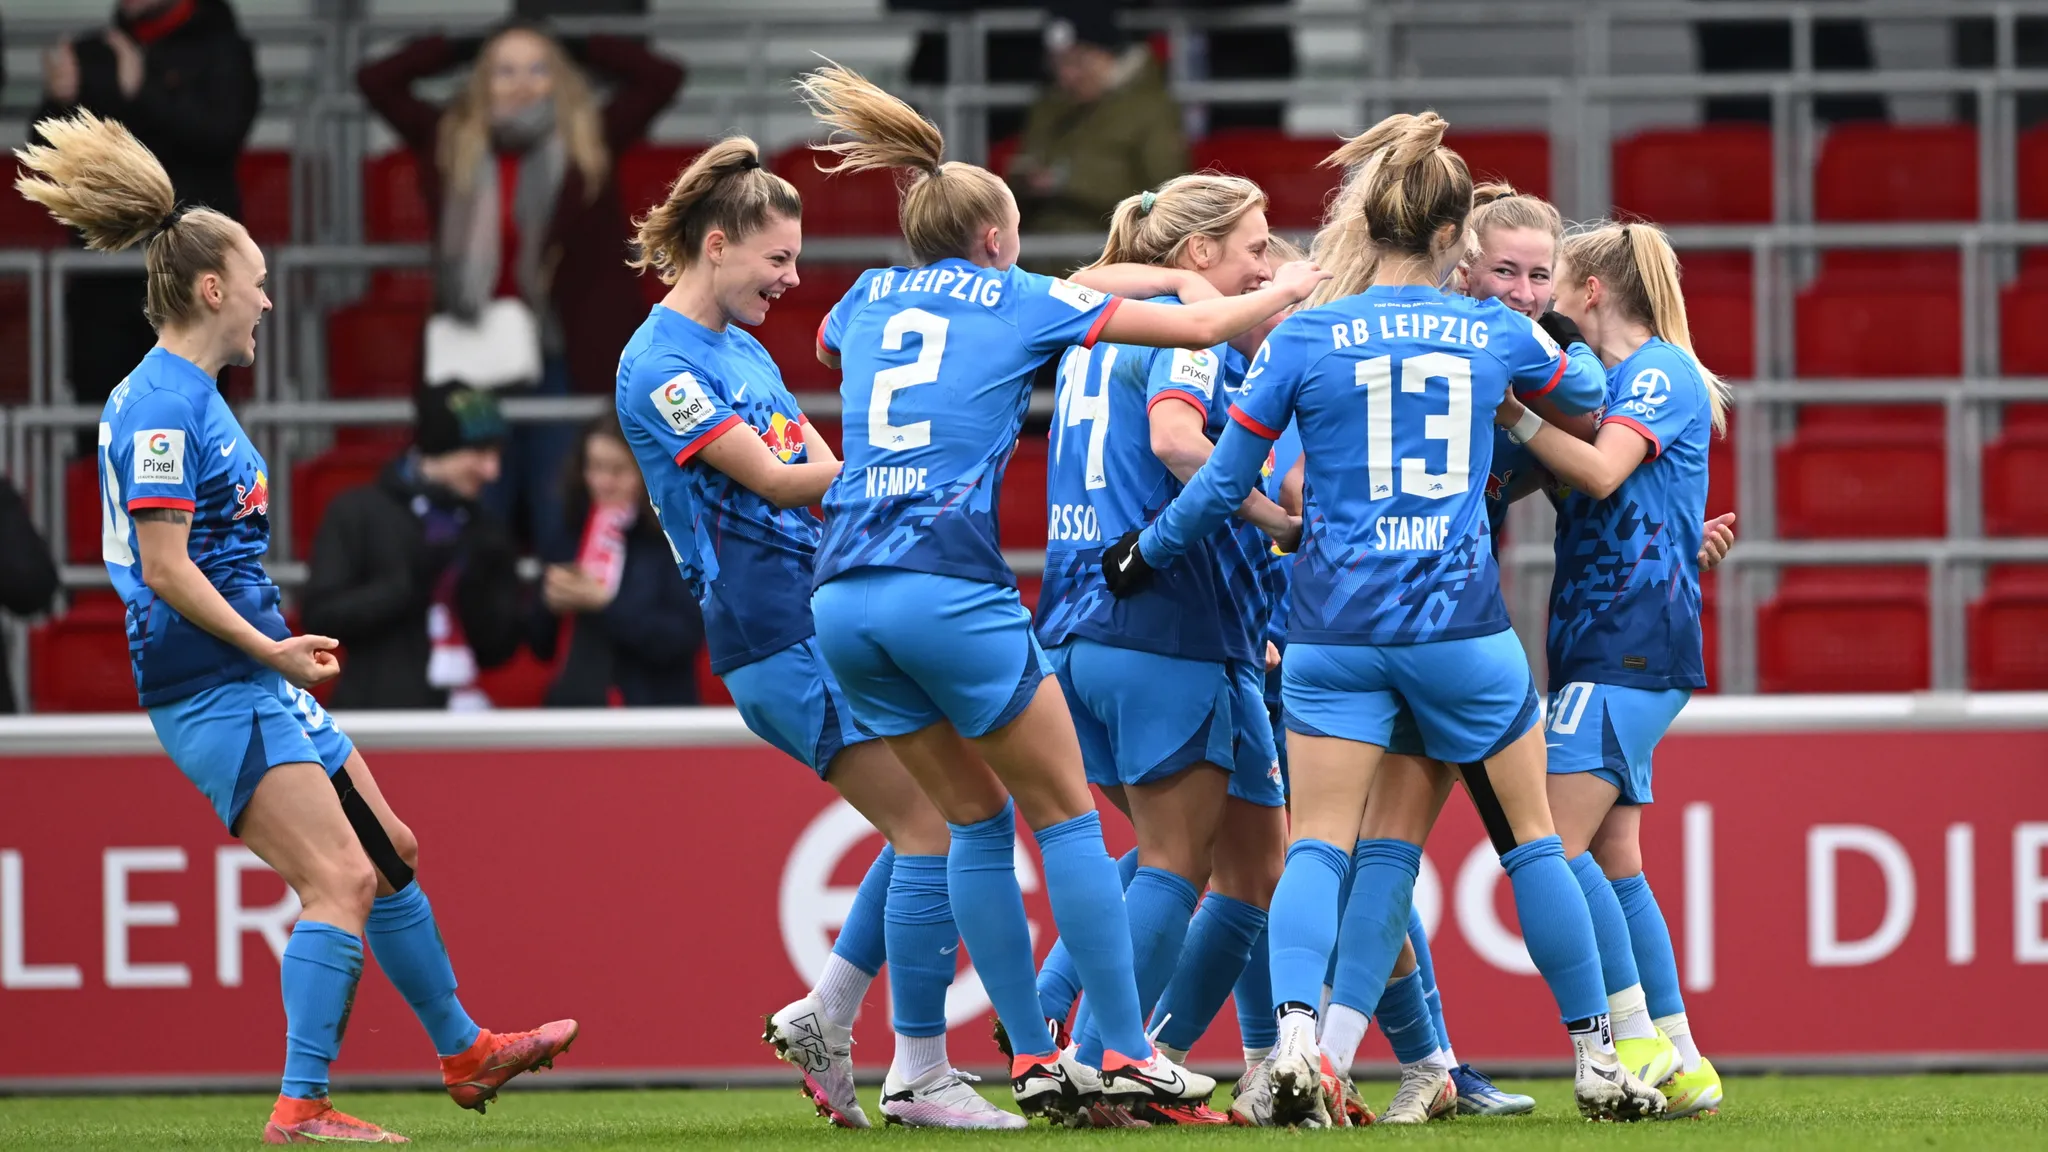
(394,212)
(1297,190)
(1861,483)
(1716,174)
(1021,512)
(846,204)
(2023,323)
(2030,161)
(1027,590)
(791,337)
(646,170)
(23,222)
(1845,630)
(521,682)
(14,330)
(1520,158)
(1721,474)
(82,513)
(266,180)
(2009,631)
(374,348)
(1723,324)
(318,480)
(1883,172)
(1880,325)
(2016,480)
(79,661)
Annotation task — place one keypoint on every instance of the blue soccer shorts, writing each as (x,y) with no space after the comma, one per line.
(790,699)
(225,738)
(1469,698)
(1611,732)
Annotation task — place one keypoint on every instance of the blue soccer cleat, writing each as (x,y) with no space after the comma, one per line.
(1477,1095)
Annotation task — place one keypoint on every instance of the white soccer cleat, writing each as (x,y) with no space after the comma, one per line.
(1608,1091)
(1426,1093)
(823,1052)
(1298,1098)
(1251,1101)
(944,1099)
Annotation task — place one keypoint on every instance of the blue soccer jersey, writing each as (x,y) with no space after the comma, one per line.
(1394,390)
(1104,480)
(1512,461)
(168,440)
(937,365)
(681,386)
(1625,603)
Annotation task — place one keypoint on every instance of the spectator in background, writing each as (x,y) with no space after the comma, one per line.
(1765,46)
(519,172)
(418,582)
(28,573)
(632,627)
(1106,128)
(182,77)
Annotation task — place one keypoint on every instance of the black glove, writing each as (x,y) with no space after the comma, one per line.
(1124,568)
(1561,328)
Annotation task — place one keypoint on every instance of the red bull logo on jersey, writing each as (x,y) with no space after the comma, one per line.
(1497,483)
(252,499)
(784,437)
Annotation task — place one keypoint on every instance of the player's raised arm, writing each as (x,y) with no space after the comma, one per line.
(1212,321)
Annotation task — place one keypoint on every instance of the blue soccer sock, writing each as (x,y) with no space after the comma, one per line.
(408,947)
(1343,902)
(1404,1017)
(1303,921)
(981,880)
(318,973)
(1375,921)
(863,939)
(1219,942)
(1059,984)
(924,945)
(1159,904)
(1425,967)
(1557,928)
(1088,907)
(1610,927)
(1254,995)
(1651,939)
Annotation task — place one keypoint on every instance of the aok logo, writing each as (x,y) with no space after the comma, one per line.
(811,908)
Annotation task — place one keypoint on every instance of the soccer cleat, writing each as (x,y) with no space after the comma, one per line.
(1298,1098)
(823,1052)
(1355,1113)
(1477,1095)
(1046,1086)
(1608,1091)
(295,1121)
(1651,1060)
(1426,1093)
(944,1099)
(1156,1080)
(474,1077)
(1058,1028)
(1693,1093)
(1251,1100)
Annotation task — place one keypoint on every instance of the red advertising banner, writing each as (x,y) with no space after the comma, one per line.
(670,898)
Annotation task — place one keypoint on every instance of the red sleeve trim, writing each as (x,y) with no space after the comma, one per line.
(822,346)
(697,445)
(1256,428)
(1564,361)
(1656,445)
(1176,394)
(1101,319)
(161,502)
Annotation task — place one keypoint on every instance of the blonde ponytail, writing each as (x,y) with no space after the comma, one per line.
(1637,264)
(1402,188)
(724,189)
(1155,227)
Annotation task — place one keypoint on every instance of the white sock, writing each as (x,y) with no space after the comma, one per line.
(1599,1037)
(1300,1027)
(1680,1030)
(1323,1005)
(1432,1062)
(918,1057)
(1253,1057)
(1177,1055)
(841,989)
(1444,1060)
(1343,1027)
(1631,1014)
(1450,1058)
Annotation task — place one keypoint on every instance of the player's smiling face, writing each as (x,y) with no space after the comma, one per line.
(1236,262)
(243,301)
(1515,268)
(750,275)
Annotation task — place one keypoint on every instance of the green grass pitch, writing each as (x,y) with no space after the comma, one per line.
(1857,1114)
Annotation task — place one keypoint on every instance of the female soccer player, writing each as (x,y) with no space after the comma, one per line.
(185,523)
(1397,603)
(918,614)
(1626,649)
(736,509)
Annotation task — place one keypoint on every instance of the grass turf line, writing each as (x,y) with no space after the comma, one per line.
(1853,1114)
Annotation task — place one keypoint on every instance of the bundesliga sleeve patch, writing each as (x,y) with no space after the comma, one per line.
(1195,368)
(1074,296)
(682,404)
(160,456)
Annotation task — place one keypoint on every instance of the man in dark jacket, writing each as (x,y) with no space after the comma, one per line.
(182,77)
(418,583)
(28,573)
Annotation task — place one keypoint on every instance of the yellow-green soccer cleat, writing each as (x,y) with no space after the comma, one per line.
(1693,1093)
(1652,1060)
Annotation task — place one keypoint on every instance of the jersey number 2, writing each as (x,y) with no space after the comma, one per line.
(931,331)
(1452,426)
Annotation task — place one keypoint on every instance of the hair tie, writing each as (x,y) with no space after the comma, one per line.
(749,162)
(1146,201)
(176,214)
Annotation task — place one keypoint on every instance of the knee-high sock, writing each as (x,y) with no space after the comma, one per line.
(408,947)
(1375,921)
(319,972)
(1059,985)
(1404,1017)
(1610,927)
(1254,995)
(1213,957)
(1343,902)
(1650,937)
(923,945)
(981,882)
(1088,907)
(863,940)
(1303,920)
(1557,928)
(1425,966)
(1159,904)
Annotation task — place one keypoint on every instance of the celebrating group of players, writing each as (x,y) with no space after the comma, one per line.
(1271,629)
